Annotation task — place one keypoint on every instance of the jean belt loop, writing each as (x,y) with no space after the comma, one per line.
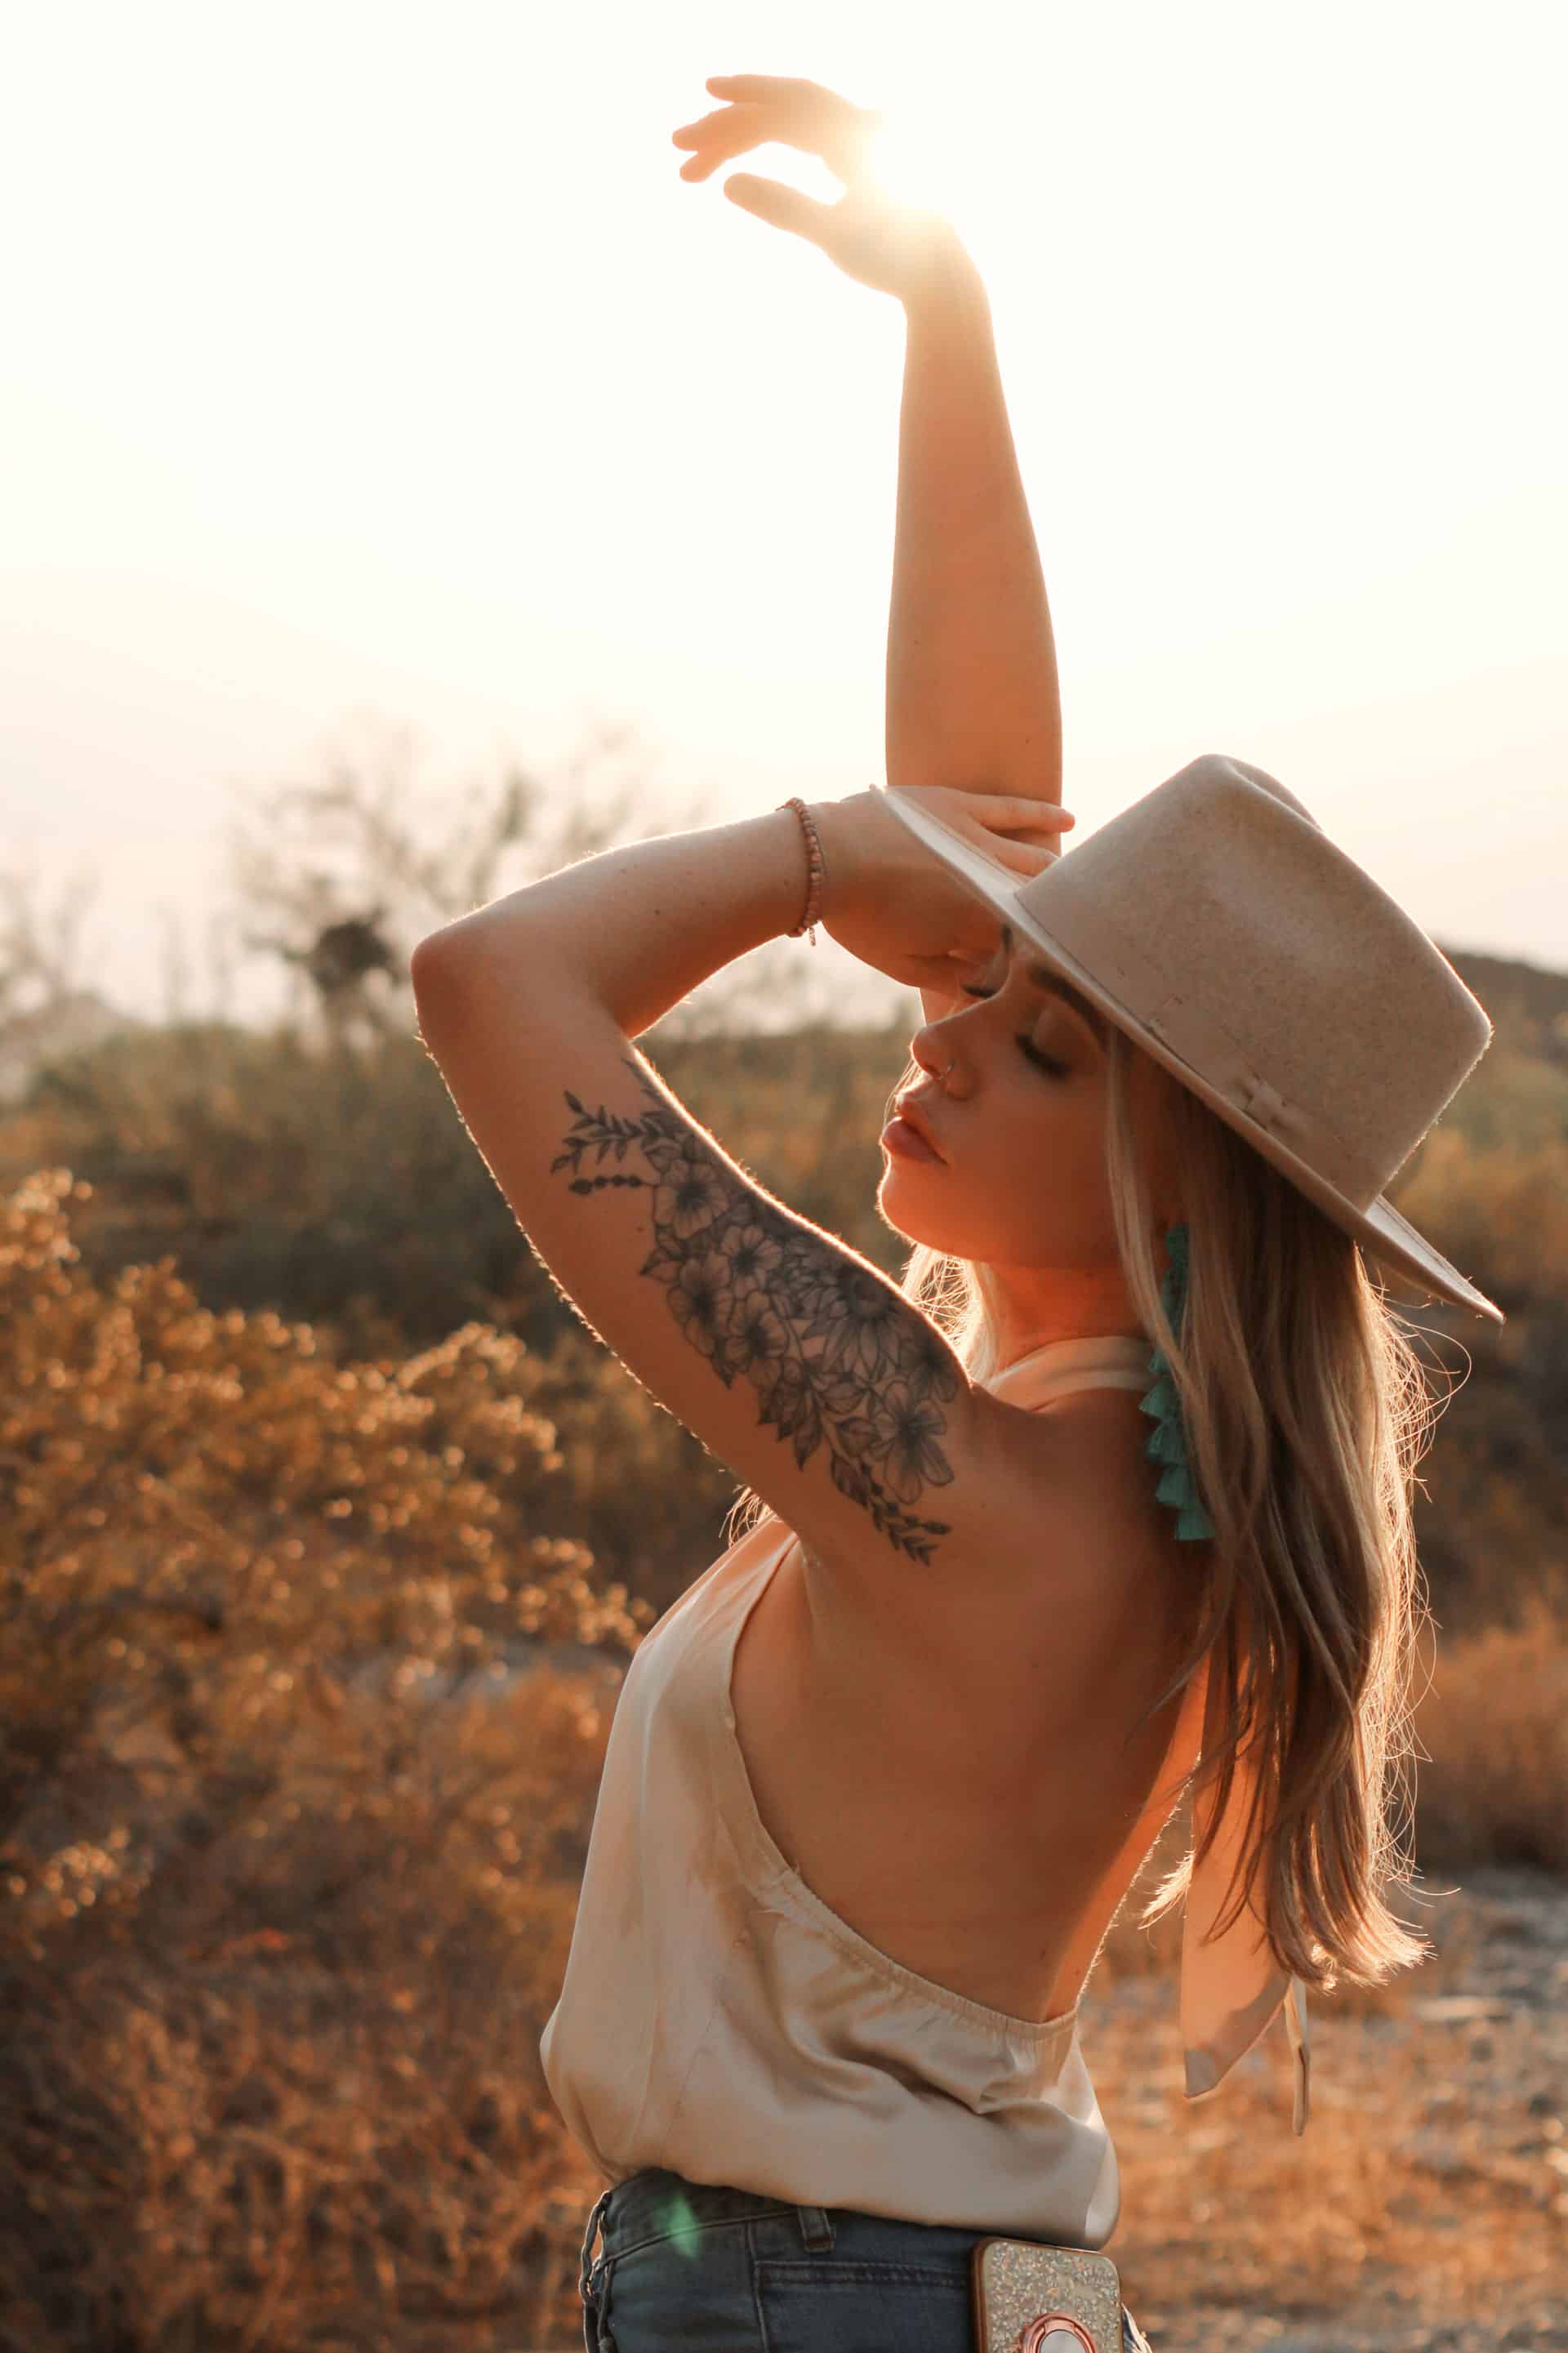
(816,2228)
(589,2235)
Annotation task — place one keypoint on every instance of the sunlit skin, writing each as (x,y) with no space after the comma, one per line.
(1022,1184)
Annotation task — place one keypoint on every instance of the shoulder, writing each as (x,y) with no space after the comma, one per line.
(1073,1481)
(1069,1443)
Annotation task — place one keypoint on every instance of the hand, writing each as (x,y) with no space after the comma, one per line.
(890,901)
(871,236)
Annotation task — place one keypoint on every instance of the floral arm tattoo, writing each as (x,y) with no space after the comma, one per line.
(836,1356)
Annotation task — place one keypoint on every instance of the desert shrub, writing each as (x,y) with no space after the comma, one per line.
(1493,1729)
(198,1508)
(633,1485)
(288,2093)
(276,1934)
(326,1181)
(1499,1210)
(334,1183)
(1491,1507)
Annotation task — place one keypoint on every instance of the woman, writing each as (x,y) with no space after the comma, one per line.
(879,1782)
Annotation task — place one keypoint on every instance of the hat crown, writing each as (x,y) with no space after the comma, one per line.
(1223,910)
(1216,924)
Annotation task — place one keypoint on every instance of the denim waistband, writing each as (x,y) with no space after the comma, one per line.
(653,2206)
(656,2205)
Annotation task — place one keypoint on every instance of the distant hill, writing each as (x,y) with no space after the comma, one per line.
(1528,1000)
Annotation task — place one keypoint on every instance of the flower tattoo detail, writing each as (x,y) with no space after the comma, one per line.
(827,1348)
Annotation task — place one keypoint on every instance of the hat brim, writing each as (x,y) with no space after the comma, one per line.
(1379,1228)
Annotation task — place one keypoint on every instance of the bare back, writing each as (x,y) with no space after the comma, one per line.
(967,1807)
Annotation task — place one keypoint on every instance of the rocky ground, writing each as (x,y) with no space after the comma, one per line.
(1426,2208)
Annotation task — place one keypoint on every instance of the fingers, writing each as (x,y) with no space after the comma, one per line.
(719,138)
(999,818)
(1018,811)
(759,90)
(785,207)
(764,107)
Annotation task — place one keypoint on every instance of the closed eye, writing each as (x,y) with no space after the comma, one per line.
(1032,1053)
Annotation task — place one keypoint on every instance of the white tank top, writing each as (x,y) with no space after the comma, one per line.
(718,2020)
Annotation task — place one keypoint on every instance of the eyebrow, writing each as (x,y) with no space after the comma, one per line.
(1044,977)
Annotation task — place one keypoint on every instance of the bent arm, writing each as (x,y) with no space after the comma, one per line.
(971,694)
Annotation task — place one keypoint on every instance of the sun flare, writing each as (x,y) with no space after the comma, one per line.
(924,160)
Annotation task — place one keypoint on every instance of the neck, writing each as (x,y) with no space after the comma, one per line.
(1033,1308)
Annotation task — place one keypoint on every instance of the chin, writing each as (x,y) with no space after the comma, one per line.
(903,1214)
(899,1218)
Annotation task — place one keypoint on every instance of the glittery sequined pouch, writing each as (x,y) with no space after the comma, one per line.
(1030,2298)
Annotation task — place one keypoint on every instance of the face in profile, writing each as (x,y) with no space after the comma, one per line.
(1017,1175)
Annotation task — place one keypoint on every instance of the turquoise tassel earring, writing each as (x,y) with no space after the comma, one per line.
(1168,1441)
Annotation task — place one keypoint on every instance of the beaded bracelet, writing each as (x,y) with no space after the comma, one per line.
(812,914)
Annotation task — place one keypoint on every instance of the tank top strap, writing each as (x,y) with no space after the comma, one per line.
(1059,1368)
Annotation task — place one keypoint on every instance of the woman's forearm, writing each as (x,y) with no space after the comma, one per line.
(972,699)
(640,927)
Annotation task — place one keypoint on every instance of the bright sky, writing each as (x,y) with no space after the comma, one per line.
(372,365)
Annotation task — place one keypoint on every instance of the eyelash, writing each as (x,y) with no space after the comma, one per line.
(1053,1070)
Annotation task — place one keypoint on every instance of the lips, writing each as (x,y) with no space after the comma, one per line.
(909,1111)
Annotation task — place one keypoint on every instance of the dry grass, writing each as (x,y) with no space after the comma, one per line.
(1424,2193)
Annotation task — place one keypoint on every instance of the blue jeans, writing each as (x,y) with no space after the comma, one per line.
(683,2268)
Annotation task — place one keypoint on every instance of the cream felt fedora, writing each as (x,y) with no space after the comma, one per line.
(1216,923)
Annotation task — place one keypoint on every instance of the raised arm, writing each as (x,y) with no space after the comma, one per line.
(973,699)
(972,702)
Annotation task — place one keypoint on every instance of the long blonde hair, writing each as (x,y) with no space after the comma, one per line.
(1306,1409)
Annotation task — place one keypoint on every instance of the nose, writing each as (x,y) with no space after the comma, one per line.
(926,1051)
(935,1050)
